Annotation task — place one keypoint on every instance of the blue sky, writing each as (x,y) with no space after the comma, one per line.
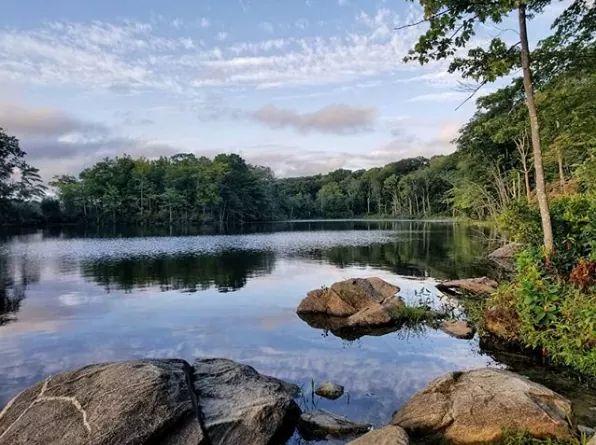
(303,86)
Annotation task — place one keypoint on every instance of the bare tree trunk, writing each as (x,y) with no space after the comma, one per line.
(561,170)
(522,149)
(535,132)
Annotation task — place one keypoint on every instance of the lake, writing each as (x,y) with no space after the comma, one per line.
(68,299)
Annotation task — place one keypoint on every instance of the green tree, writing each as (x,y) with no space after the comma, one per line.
(452,25)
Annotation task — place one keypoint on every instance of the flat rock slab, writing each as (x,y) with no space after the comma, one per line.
(458,329)
(388,435)
(473,286)
(151,401)
(321,424)
(476,406)
(505,252)
(329,390)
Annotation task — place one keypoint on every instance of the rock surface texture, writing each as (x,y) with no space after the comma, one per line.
(152,401)
(474,286)
(357,303)
(388,435)
(503,323)
(506,252)
(458,329)
(320,424)
(329,390)
(475,407)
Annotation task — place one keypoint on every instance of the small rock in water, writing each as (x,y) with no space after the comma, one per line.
(458,329)
(388,435)
(321,424)
(469,286)
(329,390)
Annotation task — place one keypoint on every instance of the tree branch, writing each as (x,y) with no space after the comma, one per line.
(434,16)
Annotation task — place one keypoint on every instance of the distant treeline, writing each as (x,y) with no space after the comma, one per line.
(491,169)
(185,189)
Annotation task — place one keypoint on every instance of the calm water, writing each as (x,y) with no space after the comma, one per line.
(69,299)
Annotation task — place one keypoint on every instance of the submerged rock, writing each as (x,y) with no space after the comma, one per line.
(357,303)
(320,424)
(152,401)
(329,390)
(388,435)
(477,406)
(474,286)
(458,329)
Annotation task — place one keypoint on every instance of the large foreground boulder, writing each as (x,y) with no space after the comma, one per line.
(469,286)
(239,405)
(476,407)
(152,401)
(357,303)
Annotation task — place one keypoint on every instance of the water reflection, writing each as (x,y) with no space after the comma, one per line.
(227,271)
(15,276)
(79,298)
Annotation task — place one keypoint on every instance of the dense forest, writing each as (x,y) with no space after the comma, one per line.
(492,169)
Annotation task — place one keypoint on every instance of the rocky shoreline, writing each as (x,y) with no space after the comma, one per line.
(216,401)
(221,402)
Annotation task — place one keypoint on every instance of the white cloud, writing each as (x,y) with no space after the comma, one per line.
(338,119)
(267,27)
(128,56)
(204,22)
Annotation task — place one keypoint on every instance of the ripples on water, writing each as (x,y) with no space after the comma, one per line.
(67,300)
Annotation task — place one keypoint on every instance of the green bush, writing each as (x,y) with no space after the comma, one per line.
(521,438)
(555,316)
(574,227)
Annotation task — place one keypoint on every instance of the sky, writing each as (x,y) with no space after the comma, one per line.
(301,86)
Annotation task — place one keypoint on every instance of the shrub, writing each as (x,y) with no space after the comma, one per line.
(574,227)
(555,316)
(522,438)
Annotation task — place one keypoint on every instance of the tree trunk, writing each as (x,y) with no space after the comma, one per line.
(561,170)
(535,132)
